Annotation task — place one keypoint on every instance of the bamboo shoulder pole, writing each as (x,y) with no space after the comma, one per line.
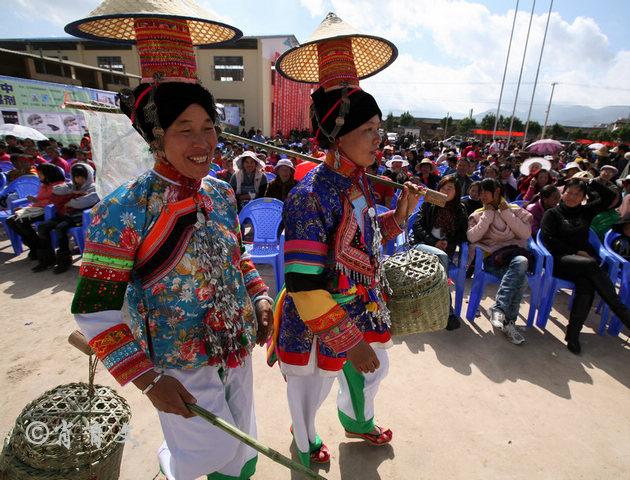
(77,340)
(430,196)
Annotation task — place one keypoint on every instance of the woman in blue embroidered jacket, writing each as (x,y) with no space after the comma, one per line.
(334,309)
(170,242)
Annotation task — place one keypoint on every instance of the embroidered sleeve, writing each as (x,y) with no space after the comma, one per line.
(110,247)
(389,227)
(305,254)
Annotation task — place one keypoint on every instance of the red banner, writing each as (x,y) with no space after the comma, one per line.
(498,133)
(291,104)
(586,141)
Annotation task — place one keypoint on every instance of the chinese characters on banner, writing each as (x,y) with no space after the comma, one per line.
(37,104)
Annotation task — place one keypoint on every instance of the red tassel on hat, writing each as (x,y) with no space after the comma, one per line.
(343,283)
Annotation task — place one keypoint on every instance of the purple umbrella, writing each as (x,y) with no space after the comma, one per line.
(546,146)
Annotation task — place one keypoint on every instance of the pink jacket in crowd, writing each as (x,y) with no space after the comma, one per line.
(493,229)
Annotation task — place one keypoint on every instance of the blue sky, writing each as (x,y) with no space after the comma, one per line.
(452,52)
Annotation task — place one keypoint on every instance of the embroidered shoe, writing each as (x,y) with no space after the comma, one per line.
(512,334)
(497,318)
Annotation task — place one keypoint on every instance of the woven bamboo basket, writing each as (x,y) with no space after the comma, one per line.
(41,446)
(420,297)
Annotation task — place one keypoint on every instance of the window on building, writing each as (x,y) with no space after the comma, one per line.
(228,69)
(111,63)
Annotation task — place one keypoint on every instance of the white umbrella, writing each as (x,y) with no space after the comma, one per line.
(20,131)
(596,146)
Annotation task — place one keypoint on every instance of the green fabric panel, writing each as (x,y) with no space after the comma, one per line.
(307,269)
(356,383)
(316,445)
(108,261)
(305,458)
(98,295)
(354,426)
(247,471)
(342,299)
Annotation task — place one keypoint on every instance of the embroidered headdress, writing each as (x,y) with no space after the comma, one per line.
(337,56)
(165,33)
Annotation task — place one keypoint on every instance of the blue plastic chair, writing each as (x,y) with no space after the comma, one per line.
(23,186)
(3,180)
(270,176)
(481,279)
(518,202)
(77,233)
(619,270)
(6,167)
(552,284)
(20,188)
(265,214)
(14,238)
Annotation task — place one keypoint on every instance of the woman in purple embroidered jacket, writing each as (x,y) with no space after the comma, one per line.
(333,307)
(169,241)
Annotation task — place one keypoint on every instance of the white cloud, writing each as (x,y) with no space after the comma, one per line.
(315,7)
(59,12)
(472,43)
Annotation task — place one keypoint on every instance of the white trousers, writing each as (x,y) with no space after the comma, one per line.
(193,447)
(355,399)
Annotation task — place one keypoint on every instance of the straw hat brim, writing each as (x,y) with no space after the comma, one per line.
(119,28)
(371,55)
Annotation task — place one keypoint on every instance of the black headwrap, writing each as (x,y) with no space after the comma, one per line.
(52,173)
(168,100)
(361,107)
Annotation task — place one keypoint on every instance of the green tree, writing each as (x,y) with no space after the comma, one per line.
(534,129)
(446,122)
(577,134)
(407,120)
(517,124)
(390,123)
(466,125)
(623,134)
(557,131)
(605,136)
(487,122)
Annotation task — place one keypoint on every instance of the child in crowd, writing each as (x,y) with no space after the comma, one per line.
(22,221)
(82,195)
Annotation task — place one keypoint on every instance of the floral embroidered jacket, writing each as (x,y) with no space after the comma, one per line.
(172,248)
(331,269)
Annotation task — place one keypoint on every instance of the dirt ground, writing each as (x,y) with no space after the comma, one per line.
(462,405)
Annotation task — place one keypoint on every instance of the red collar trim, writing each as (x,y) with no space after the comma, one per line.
(347,167)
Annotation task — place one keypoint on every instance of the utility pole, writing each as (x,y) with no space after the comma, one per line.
(446,124)
(553,87)
(507,58)
(520,75)
(542,48)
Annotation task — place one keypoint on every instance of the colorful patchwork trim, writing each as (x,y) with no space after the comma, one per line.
(305,256)
(254,283)
(120,353)
(107,262)
(389,227)
(336,329)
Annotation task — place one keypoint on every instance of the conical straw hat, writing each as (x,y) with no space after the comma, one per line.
(113,20)
(371,54)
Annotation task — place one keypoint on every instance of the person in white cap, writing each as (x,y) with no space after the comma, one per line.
(396,169)
(249,180)
(283,183)
(607,174)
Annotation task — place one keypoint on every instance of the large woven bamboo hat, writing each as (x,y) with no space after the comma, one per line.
(164,31)
(113,20)
(370,54)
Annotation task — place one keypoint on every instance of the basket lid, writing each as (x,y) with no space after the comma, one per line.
(58,430)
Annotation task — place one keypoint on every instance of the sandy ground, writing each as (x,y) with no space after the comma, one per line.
(462,405)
